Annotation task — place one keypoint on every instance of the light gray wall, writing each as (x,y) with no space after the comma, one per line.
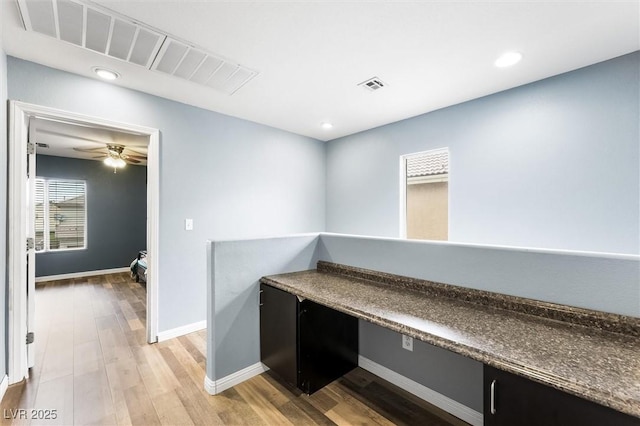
(3,208)
(450,374)
(601,282)
(116,215)
(553,164)
(225,173)
(234,269)
(609,283)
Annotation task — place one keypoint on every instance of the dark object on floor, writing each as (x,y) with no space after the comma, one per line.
(139,267)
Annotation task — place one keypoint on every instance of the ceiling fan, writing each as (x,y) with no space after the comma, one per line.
(115,155)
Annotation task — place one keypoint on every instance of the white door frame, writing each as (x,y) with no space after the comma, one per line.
(19,114)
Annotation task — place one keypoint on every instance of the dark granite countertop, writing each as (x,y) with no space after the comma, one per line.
(590,354)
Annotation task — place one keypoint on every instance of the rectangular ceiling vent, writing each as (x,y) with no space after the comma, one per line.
(191,63)
(103,31)
(372,84)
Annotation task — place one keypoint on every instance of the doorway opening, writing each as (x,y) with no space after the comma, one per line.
(61,226)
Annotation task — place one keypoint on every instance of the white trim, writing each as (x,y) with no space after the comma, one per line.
(17,248)
(4,385)
(268,237)
(403,198)
(153,234)
(209,385)
(215,387)
(521,249)
(181,331)
(82,274)
(19,115)
(443,402)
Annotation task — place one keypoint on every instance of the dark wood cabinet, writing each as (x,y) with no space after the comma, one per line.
(307,344)
(279,332)
(514,400)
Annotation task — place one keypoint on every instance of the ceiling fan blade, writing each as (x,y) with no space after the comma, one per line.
(137,157)
(135,152)
(99,157)
(129,160)
(89,149)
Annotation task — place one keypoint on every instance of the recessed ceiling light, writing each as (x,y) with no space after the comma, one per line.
(105,73)
(508,59)
(326,125)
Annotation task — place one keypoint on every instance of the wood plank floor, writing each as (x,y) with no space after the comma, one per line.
(94,367)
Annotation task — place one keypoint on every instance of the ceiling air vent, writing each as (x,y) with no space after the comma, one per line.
(92,28)
(373,84)
(190,63)
(103,31)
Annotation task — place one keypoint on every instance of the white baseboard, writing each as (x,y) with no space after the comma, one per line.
(4,385)
(82,274)
(217,386)
(445,403)
(181,331)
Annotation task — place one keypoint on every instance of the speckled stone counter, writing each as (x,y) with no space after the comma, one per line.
(593,355)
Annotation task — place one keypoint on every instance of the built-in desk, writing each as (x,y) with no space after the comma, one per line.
(589,354)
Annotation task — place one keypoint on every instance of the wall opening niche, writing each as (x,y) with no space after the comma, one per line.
(424,205)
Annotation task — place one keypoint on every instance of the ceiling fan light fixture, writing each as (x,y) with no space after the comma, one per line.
(116,163)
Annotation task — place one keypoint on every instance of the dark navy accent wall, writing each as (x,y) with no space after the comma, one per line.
(116,215)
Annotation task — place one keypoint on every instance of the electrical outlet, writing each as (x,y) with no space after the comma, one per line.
(407,343)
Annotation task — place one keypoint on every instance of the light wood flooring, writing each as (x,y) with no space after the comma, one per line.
(94,367)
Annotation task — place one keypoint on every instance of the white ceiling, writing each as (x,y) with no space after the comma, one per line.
(62,139)
(311,55)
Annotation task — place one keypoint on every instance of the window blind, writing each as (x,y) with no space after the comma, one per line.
(40,215)
(63,204)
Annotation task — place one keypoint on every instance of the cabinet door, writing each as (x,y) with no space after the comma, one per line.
(328,345)
(522,402)
(278,332)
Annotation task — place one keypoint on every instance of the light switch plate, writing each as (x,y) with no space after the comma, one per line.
(188,224)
